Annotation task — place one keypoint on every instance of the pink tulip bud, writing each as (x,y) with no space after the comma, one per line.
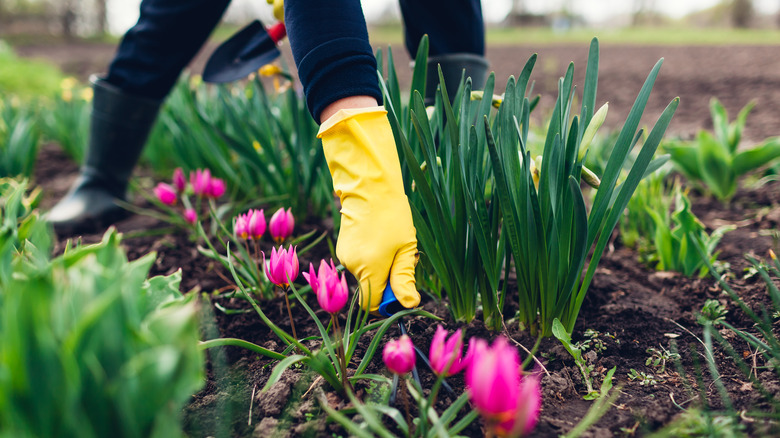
(241,226)
(498,390)
(281,224)
(165,193)
(200,180)
(178,180)
(256,224)
(216,188)
(282,268)
(446,354)
(399,355)
(331,292)
(190,216)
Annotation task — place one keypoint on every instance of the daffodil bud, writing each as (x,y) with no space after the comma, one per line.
(495,101)
(590,131)
(536,166)
(590,178)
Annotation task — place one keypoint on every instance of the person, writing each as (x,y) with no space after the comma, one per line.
(337,68)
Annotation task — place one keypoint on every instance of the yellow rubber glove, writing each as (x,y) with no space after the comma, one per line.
(377,238)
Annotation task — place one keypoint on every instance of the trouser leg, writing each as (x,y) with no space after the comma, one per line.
(168,35)
(148,62)
(456,38)
(329,42)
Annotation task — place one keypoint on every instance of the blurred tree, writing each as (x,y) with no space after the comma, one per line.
(68,18)
(643,9)
(741,13)
(101,11)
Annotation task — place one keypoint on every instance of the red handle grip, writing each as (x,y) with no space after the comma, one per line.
(277,32)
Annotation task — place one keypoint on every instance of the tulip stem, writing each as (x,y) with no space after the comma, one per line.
(289,313)
(342,357)
(405,400)
(435,390)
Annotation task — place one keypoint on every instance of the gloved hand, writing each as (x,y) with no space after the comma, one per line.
(278,9)
(377,237)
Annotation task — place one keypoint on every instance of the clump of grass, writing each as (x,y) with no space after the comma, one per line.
(26,78)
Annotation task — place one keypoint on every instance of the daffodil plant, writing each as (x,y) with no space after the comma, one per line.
(478,197)
(19,138)
(66,120)
(549,229)
(448,179)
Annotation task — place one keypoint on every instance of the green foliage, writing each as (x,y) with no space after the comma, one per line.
(642,377)
(66,119)
(695,423)
(91,347)
(575,350)
(24,238)
(713,312)
(26,78)
(659,357)
(674,235)
(368,421)
(605,398)
(637,228)
(448,180)
(19,136)
(761,338)
(715,160)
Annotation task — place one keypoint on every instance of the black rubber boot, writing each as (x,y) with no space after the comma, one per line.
(452,66)
(120,125)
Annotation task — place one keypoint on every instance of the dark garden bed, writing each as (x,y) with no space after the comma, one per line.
(630,306)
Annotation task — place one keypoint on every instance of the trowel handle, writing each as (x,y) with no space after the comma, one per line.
(390,303)
(277,32)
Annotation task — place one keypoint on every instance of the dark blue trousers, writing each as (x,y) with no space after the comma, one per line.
(328,39)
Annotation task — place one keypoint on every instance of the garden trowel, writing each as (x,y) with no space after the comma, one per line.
(249,49)
(387,308)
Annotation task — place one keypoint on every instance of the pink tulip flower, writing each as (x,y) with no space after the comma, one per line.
(446,354)
(165,193)
(190,216)
(178,180)
(216,188)
(527,414)
(399,355)
(282,268)
(256,223)
(331,292)
(281,224)
(507,401)
(200,180)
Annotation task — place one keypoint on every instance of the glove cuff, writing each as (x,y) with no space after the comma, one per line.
(344,114)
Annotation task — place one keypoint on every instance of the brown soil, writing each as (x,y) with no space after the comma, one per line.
(734,74)
(633,307)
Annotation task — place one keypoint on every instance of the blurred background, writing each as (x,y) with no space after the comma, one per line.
(713,48)
(97,18)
